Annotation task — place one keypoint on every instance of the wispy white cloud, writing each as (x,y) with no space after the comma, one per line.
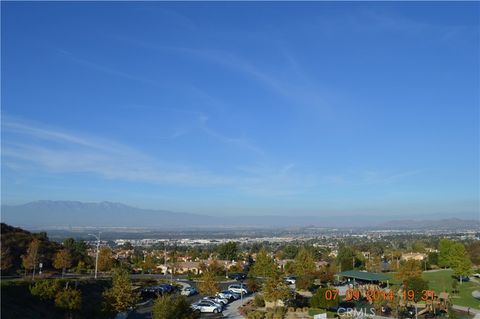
(293,84)
(28,146)
(60,152)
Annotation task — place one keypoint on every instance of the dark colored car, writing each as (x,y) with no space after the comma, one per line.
(462,278)
(239,276)
(167,288)
(344,304)
(151,292)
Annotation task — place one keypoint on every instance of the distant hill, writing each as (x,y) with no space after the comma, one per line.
(48,214)
(449,223)
(106,214)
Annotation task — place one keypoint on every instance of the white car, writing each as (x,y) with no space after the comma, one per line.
(207,306)
(476,275)
(189,291)
(291,280)
(239,289)
(217,299)
(230,295)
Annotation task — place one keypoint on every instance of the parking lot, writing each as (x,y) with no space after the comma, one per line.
(145,309)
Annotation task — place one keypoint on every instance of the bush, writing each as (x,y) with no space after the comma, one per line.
(319,301)
(45,289)
(256,315)
(172,307)
(252,285)
(69,300)
(279,311)
(258,301)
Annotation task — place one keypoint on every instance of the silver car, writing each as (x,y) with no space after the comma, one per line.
(207,306)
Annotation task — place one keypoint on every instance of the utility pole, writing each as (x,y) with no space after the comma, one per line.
(165,258)
(98,249)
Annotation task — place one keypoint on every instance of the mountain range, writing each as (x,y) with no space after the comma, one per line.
(50,214)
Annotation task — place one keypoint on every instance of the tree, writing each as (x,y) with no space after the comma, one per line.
(433,258)
(305,267)
(327,273)
(149,263)
(78,250)
(69,300)
(289,267)
(275,289)
(374,264)
(418,285)
(29,261)
(264,265)
(410,269)
(208,284)
(45,289)
(120,297)
(228,251)
(216,268)
(347,258)
(473,250)
(460,261)
(127,246)
(6,259)
(419,246)
(62,260)
(105,259)
(445,247)
(172,307)
(289,252)
(319,299)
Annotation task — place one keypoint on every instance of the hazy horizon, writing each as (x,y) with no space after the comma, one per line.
(243,108)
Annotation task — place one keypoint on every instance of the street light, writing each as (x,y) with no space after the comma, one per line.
(98,247)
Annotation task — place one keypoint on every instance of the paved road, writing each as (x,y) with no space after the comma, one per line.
(466,309)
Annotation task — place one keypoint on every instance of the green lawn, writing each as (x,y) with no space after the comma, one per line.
(442,281)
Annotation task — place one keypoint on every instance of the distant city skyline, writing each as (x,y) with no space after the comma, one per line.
(243,108)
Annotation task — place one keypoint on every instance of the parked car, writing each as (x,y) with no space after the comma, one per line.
(239,276)
(207,306)
(476,275)
(167,288)
(217,299)
(291,280)
(151,292)
(189,291)
(230,295)
(462,278)
(342,306)
(239,289)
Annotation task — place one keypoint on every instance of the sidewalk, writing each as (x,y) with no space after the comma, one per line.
(232,309)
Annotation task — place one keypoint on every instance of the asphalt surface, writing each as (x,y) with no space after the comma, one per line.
(144,310)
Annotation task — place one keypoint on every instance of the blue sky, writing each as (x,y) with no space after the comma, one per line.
(243,108)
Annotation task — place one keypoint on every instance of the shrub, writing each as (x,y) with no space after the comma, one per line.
(319,301)
(172,307)
(45,289)
(258,301)
(256,315)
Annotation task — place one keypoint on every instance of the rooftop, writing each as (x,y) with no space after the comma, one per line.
(363,275)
